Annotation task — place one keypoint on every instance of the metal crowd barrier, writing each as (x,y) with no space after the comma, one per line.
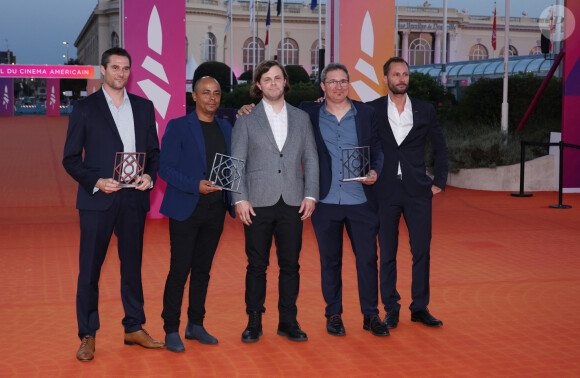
(560,144)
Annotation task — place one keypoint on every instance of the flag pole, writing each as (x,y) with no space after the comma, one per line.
(444,57)
(282,34)
(231,46)
(506,52)
(253,17)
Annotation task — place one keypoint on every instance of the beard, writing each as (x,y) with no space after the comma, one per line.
(399,91)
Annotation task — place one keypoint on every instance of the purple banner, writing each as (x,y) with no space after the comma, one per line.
(6,97)
(571,99)
(53,97)
(154,35)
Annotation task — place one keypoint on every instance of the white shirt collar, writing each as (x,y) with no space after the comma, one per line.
(408,106)
(110,100)
(269,109)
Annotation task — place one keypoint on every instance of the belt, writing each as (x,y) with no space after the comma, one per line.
(400,177)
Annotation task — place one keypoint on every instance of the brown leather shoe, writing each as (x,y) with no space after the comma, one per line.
(86,351)
(142,338)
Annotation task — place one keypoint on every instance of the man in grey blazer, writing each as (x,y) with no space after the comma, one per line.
(279,190)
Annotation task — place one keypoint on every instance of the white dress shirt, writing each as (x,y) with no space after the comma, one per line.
(278,123)
(123,117)
(401,124)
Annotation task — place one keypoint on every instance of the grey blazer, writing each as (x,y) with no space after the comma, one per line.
(271,173)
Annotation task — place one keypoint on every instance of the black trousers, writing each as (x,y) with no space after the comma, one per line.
(417,214)
(126,218)
(193,245)
(362,224)
(283,222)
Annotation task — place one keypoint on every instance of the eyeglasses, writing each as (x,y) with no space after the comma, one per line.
(334,83)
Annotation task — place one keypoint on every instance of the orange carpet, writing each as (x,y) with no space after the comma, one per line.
(505,279)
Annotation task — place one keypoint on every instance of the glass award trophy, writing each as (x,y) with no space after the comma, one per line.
(356,163)
(129,167)
(226,172)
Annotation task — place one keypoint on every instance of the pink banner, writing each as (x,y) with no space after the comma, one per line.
(93,85)
(64,72)
(53,97)
(6,97)
(571,98)
(154,35)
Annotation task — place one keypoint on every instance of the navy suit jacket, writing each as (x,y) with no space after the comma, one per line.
(411,152)
(183,165)
(367,126)
(92,131)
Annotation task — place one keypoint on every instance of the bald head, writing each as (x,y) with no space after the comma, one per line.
(207,96)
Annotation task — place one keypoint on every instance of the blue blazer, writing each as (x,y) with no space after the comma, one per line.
(411,152)
(183,165)
(367,133)
(92,130)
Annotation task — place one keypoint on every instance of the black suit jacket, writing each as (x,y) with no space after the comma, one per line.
(367,126)
(411,152)
(92,132)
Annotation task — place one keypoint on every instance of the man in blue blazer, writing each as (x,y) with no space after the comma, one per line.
(110,121)
(404,188)
(195,208)
(338,123)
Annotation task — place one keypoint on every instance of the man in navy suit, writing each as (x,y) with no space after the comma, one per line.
(109,121)
(195,208)
(339,123)
(404,188)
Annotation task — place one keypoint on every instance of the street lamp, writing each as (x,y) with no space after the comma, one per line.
(67,46)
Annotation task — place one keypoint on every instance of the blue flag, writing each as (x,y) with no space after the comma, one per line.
(313,4)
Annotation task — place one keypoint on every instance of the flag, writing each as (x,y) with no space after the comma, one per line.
(279,7)
(268,24)
(494,30)
(229,16)
(252,13)
(551,29)
(313,4)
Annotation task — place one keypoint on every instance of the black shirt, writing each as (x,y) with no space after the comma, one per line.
(214,143)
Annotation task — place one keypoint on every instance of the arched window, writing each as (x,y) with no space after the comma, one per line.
(419,52)
(512,51)
(536,51)
(314,56)
(208,48)
(248,55)
(478,52)
(114,40)
(290,51)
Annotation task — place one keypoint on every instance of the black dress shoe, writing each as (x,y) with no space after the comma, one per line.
(334,325)
(375,325)
(292,331)
(426,318)
(392,319)
(253,331)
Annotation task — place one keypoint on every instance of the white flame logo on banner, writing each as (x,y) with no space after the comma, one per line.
(367,45)
(154,92)
(5,98)
(52,100)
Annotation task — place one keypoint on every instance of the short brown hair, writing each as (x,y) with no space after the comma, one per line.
(394,59)
(262,68)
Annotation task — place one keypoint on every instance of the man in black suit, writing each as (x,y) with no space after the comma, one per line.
(340,123)
(404,188)
(110,121)
(195,208)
